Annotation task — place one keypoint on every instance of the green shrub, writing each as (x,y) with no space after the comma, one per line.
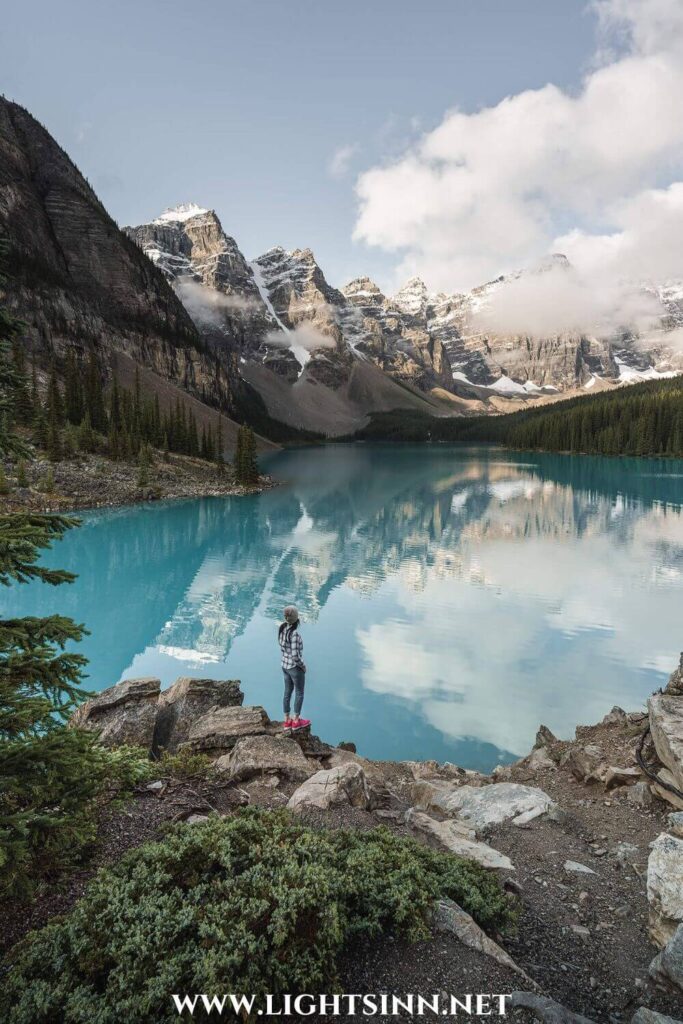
(255,903)
(183,765)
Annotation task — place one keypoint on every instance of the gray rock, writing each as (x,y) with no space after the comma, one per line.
(667,967)
(196,819)
(545,1009)
(622,777)
(260,755)
(640,794)
(494,804)
(456,837)
(539,760)
(374,774)
(186,701)
(449,917)
(155,786)
(617,716)
(218,731)
(665,887)
(663,792)
(644,1015)
(334,787)
(123,714)
(666,727)
(625,853)
(587,763)
(544,737)
(675,820)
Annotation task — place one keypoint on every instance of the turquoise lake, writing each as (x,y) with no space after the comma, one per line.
(452,599)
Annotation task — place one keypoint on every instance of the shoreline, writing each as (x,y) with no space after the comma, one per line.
(91,482)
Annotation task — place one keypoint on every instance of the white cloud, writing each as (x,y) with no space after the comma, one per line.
(493,190)
(304,336)
(340,161)
(207,304)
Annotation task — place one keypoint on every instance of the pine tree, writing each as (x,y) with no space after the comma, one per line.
(46,778)
(144,463)
(220,461)
(11,446)
(73,390)
(246,467)
(22,477)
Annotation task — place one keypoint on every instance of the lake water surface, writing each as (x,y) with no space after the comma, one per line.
(452,598)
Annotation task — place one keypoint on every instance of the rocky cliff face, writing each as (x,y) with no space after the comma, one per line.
(78,281)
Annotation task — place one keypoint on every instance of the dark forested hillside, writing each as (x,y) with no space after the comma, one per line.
(643,419)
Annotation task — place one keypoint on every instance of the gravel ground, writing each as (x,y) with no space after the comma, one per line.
(582,937)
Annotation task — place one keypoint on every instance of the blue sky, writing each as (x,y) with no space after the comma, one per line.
(243,106)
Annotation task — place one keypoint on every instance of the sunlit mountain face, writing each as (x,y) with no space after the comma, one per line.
(451,599)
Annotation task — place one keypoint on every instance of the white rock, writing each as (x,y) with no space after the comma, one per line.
(675,820)
(494,804)
(665,887)
(453,836)
(333,787)
(573,865)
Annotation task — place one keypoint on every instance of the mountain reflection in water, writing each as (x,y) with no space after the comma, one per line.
(452,599)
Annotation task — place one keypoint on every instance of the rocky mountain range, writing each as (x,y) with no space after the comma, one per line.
(271,339)
(299,339)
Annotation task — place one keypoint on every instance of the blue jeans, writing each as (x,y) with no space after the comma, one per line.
(295,679)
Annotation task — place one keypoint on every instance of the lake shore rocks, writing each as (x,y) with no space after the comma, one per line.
(261,755)
(123,714)
(184,702)
(333,787)
(666,725)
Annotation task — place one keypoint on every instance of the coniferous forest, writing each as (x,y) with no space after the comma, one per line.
(644,419)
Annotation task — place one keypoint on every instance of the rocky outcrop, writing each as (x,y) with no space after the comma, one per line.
(666,726)
(333,787)
(123,714)
(644,1015)
(262,755)
(217,731)
(184,702)
(665,887)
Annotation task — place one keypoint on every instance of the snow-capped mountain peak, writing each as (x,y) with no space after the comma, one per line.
(180,213)
(412,297)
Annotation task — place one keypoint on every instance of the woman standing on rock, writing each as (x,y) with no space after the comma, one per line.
(293,668)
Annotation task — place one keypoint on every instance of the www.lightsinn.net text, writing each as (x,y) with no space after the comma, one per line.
(343,1005)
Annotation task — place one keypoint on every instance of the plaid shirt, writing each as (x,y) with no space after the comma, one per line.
(292,647)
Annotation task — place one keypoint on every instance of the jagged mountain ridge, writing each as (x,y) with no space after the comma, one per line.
(76,279)
(430,342)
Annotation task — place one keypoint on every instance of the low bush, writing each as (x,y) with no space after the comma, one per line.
(256,903)
(183,765)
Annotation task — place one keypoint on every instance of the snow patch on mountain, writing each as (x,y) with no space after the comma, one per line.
(180,213)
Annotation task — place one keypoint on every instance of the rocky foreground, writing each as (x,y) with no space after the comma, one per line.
(587,833)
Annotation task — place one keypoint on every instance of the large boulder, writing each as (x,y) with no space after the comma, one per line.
(186,701)
(484,806)
(586,763)
(334,787)
(374,775)
(254,756)
(665,887)
(123,714)
(457,838)
(217,731)
(667,967)
(666,727)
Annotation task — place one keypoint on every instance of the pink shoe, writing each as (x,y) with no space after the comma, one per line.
(303,723)
(287,725)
